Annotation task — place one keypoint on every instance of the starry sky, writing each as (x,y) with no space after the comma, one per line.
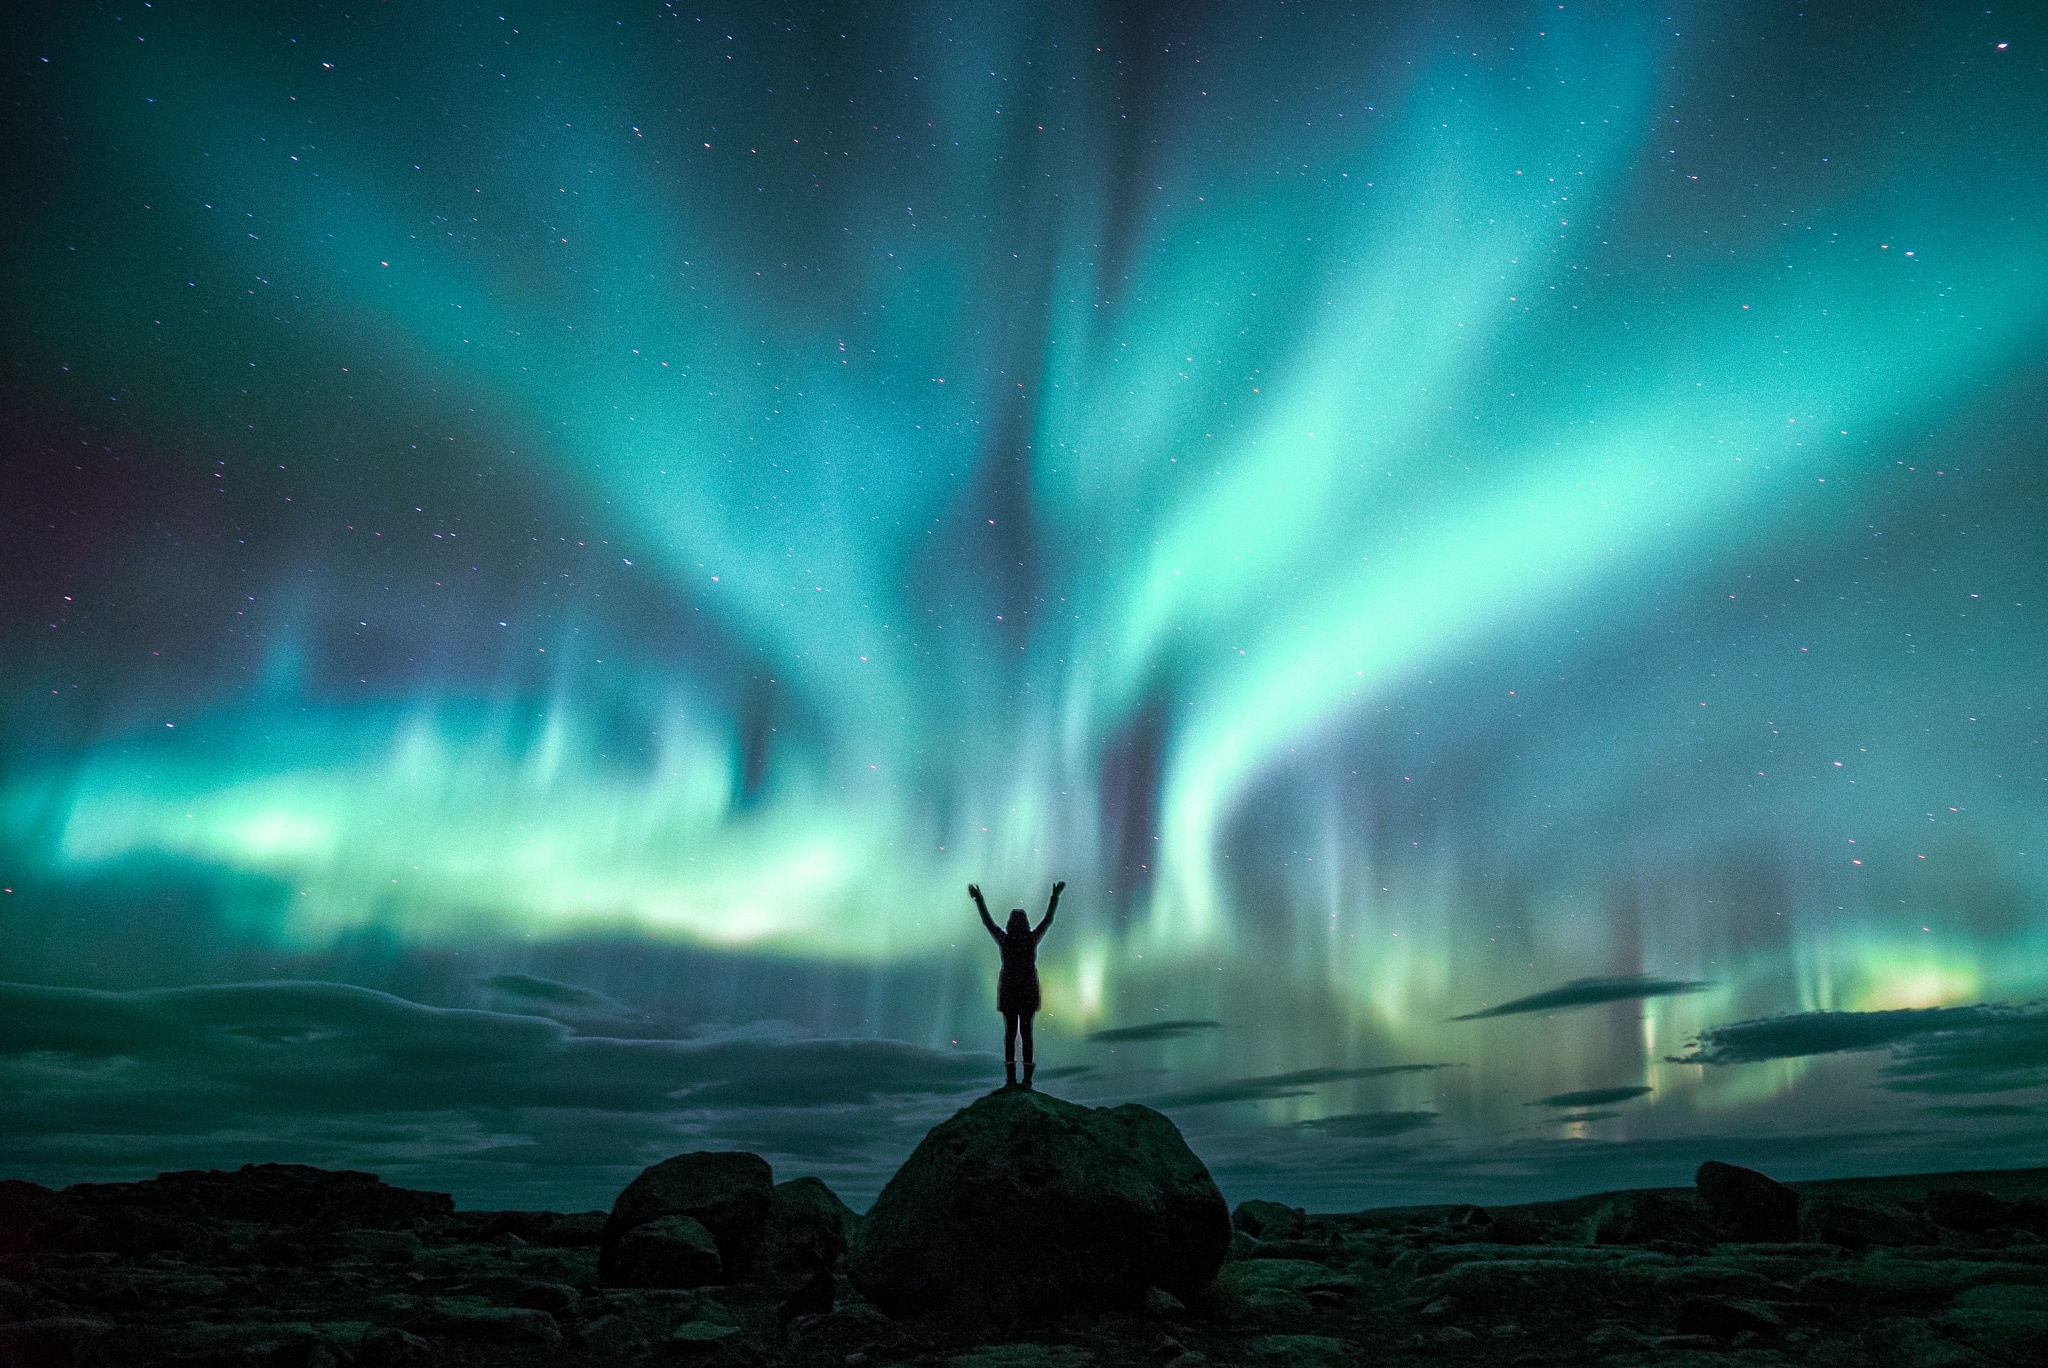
(1497,549)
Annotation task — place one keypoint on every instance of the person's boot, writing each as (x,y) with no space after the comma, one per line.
(1009,1073)
(1029,1069)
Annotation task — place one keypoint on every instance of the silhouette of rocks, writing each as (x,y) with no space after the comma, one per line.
(806,1232)
(1862,1224)
(728,1192)
(1023,1205)
(1746,1205)
(277,1195)
(1509,1287)
(670,1251)
(1640,1218)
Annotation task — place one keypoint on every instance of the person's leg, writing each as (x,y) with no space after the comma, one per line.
(1010,1020)
(1024,1029)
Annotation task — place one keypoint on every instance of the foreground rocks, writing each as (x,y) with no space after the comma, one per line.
(1023,1205)
(284,1267)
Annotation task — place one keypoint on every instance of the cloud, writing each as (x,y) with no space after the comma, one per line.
(1590,992)
(1593,1097)
(336,1074)
(1370,1125)
(1985,1109)
(1157,1030)
(1270,1086)
(555,998)
(1986,1047)
(1581,1118)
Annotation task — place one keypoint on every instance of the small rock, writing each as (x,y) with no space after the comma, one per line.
(1644,1218)
(703,1332)
(1748,1206)
(1967,1209)
(1160,1304)
(806,1231)
(1438,1309)
(1024,1356)
(1452,1335)
(1507,1330)
(1685,1342)
(611,1337)
(554,1298)
(1724,1317)
(1860,1225)
(813,1298)
(1268,1220)
(51,1342)
(1166,1347)
(1306,1351)
(393,1348)
(672,1251)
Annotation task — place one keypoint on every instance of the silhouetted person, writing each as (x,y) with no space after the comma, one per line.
(1017,990)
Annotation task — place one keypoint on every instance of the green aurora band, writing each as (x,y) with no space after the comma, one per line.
(1399,514)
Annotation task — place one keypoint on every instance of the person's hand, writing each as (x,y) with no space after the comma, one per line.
(974,892)
(1059,888)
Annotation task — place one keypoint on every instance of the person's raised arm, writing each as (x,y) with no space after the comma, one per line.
(1052,905)
(974,892)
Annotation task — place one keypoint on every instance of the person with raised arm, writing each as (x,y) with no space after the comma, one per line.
(1017,996)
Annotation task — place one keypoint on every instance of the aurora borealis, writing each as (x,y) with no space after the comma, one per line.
(546,545)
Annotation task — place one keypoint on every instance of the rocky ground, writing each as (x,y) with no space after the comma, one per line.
(290,1267)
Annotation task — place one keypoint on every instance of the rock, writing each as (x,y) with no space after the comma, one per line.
(1160,1304)
(1748,1206)
(814,1297)
(51,1342)
(289,1196)
(555,1229)
(1860,1225)
(553,1298)
(1269,1220)
(473,1318)
(672,1251)
(703,1332)
(806,1231)
(1634,1218)
(1024,1356)
(1725,1317)
(727,1192)
(1309,1351)
(1023,1204)
(392,1348)
(33,1216)
(1968,1209)
(609,1338)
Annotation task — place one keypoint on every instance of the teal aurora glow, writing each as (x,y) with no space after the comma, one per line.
(546,544)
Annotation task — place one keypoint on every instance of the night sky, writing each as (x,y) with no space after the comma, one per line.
(1498,549)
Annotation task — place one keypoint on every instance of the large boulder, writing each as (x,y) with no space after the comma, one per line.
(1746,1205)
(1024,1205)
(806,1232)
(728,1192)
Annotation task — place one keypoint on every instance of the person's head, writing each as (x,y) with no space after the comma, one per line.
(1019,921)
